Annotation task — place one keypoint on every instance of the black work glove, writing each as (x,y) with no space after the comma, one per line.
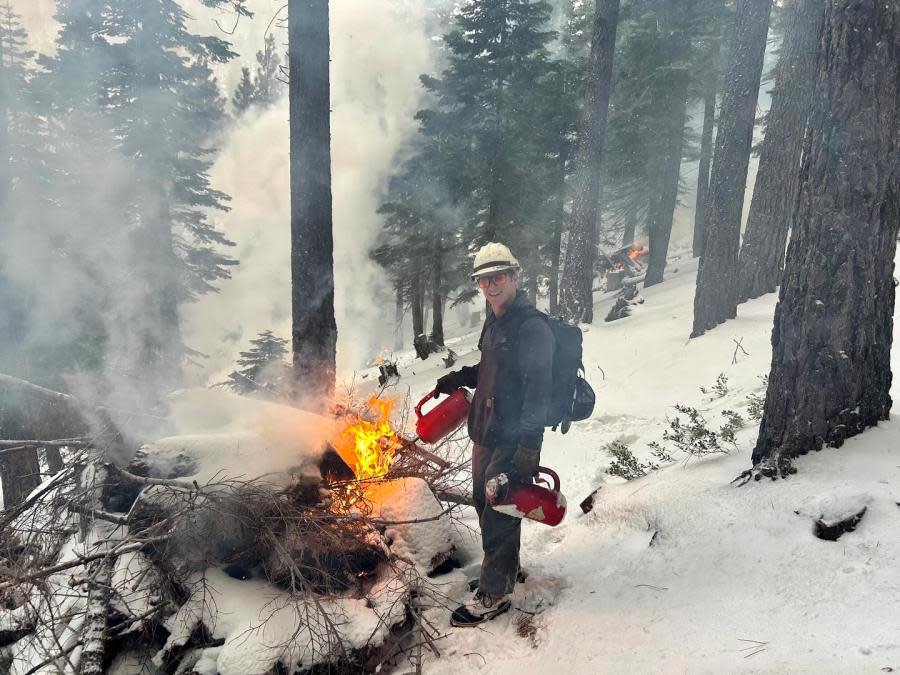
(447,384)
(525,464)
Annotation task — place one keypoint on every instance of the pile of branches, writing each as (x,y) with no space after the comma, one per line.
(99,562)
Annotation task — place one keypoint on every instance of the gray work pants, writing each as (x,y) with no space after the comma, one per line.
(499,532)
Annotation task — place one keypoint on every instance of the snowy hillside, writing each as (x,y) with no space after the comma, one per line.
(680,571)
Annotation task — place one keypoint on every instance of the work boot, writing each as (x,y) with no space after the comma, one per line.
(482,608)
(521,576)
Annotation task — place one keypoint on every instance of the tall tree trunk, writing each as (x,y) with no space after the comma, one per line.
(314,330)
(706,148)
(560,217)
(629,232)
(665,169)
(555,255)
(437,296)
(831,343)
(776,191)
(417,303)
(158,347)
(20,473)
(576,292)
(54,460)
(716,297)
(19,469)
(398,318)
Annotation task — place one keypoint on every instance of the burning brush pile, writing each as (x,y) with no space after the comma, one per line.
(234,549)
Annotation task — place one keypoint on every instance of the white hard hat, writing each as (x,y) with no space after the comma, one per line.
(494,257)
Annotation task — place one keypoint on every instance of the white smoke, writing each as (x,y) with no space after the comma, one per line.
(378,52)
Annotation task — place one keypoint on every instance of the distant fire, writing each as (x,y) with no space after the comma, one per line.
(638,251)
(627,258)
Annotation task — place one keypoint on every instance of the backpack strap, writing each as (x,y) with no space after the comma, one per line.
(481,337)
(514,323)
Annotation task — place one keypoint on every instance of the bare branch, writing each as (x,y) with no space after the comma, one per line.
(82,560)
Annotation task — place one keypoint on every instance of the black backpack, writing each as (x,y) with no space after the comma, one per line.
(573,398)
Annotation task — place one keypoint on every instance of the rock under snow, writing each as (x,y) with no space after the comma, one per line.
(262,625)
(427,544)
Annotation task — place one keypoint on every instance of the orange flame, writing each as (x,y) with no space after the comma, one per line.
(638,251)
(369,446)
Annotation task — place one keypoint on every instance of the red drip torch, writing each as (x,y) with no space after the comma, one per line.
(543,504)
(445,418)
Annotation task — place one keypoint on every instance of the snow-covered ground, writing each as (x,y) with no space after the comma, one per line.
(680,571)
(676,572)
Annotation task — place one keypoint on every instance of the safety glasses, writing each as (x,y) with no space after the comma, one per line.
(498,279)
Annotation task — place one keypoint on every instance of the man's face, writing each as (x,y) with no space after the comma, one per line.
(499,289)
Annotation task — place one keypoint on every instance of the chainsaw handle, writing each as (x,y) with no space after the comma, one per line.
(424,400)
(551,473)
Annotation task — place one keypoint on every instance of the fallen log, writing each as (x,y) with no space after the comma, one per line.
(62,443)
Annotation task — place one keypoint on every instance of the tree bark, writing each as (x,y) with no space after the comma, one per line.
(417,303)
(555,255)
(776,191)
(398,317)
(20,473)
(715,299)
(556,238)
(54,460)
(665,169)
(437,297)
(831,343)
(629,232)
(314,331)
(706,136)
(576,292)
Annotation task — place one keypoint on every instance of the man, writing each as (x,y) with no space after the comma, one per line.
(513,385)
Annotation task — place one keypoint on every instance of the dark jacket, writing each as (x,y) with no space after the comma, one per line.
(514,379)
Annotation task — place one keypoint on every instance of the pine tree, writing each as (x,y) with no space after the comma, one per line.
(569,71)
(706,137)
(708,67)
(165,107)
(716,295)
(662,62)
(777,179)
(670,93)
(263,368)
(267,86)
(244,93)
(314,332)
(487,103)
(576,289)
(123,107)
(19,469)
(417,246)
(263,88)
(831,344)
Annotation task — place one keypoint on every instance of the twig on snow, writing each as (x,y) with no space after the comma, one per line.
(739,345)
